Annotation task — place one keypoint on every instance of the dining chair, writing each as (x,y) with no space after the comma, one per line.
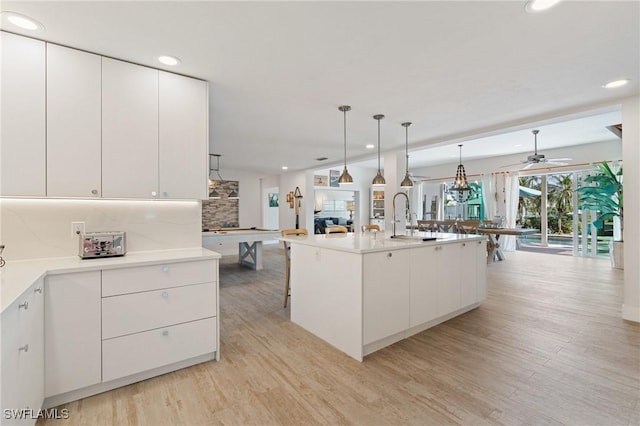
(335,229)
(370,228)
(428,225)
(287,258)
(446,225)
(467,226)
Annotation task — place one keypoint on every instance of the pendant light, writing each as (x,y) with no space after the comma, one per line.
(406,182)
(379,179)
(213,193)
(345,177)
(461,185)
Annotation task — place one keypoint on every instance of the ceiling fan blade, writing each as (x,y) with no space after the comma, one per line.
(514,165)
(528,166)
(560,159)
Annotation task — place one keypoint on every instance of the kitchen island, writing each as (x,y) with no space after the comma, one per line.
(361,292)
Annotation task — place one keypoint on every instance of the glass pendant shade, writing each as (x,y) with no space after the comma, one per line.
(345,177)
(379,180)
(406,182)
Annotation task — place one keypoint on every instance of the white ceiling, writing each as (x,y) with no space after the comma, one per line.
(279,70)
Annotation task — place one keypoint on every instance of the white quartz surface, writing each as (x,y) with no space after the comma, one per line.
(369,242)
(17,276)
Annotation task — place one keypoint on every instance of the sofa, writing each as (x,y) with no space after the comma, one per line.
(320,223)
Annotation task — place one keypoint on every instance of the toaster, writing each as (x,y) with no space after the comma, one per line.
(102,244)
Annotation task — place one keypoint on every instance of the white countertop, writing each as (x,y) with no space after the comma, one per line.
(17,276)
(370,242)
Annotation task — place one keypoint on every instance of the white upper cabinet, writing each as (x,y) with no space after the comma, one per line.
(73,123)
(183,138)
(129,130)
(22,126)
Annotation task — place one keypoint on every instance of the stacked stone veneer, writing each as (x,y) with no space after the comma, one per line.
(222,213)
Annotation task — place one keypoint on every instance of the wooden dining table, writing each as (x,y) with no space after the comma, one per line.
(494,251)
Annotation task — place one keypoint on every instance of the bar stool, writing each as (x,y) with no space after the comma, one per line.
(287,258)
(370,228)
(335,229)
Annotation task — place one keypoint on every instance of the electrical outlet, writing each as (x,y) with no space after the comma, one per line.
(77,228)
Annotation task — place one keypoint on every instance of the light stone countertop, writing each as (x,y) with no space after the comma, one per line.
(17,276)
(369,242)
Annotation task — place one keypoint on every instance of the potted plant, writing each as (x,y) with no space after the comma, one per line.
(604,195)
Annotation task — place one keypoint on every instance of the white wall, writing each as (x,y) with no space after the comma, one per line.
(631,168)
(250,203)
(270,214)
(37,228)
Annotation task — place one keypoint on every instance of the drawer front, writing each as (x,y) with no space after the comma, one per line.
(154,277)
(133,313)
(127,355)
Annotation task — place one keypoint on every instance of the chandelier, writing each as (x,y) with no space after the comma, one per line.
(461,185)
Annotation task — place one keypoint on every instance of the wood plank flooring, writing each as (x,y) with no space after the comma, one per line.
(547,347)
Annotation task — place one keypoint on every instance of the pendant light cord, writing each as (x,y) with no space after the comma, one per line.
(378,145)
(345,138)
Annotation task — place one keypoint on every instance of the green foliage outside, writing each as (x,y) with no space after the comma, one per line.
(603,195)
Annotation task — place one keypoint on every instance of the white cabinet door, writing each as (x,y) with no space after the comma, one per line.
(23,355)
(468,272)
(73,123)
(481,270)
(449,271)
(22,122)
(72,332)
(183,137)
(386,294)
(424,291)
(129,130)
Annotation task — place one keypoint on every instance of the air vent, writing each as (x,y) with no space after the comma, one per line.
(321,158)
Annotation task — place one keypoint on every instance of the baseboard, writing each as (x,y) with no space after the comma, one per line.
(631,313)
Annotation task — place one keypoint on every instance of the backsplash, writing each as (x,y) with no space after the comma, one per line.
(36,228)
(222,213)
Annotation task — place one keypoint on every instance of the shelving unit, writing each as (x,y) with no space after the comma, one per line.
(377,207)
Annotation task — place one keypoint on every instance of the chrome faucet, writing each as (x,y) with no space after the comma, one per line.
(407,214)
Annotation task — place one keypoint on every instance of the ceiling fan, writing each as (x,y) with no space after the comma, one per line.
(536,158)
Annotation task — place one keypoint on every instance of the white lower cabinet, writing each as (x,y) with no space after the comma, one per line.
(72,332)
(113,324)
(131,354)
(22,366)
(385,294)
(424,267)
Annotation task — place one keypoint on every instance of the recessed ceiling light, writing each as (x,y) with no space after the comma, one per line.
(285,168)
(534,6)
(169,60)
(370,146)
(614,84)
(23,21)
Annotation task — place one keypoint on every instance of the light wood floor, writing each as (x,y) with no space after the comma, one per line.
(547,347)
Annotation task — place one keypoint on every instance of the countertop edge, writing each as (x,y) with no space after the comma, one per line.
(17,276)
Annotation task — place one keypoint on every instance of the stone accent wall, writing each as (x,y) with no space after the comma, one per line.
(222,213)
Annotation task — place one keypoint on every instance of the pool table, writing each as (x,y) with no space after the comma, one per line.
(249,242)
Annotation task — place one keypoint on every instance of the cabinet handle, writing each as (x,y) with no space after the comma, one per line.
(389,255)
(438,247)
(165,268)
(464,244)
(165,295)
(24,305)
(94,191)
(24,348)
(165,332)
(479,242)
(165,194)
(37,290)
